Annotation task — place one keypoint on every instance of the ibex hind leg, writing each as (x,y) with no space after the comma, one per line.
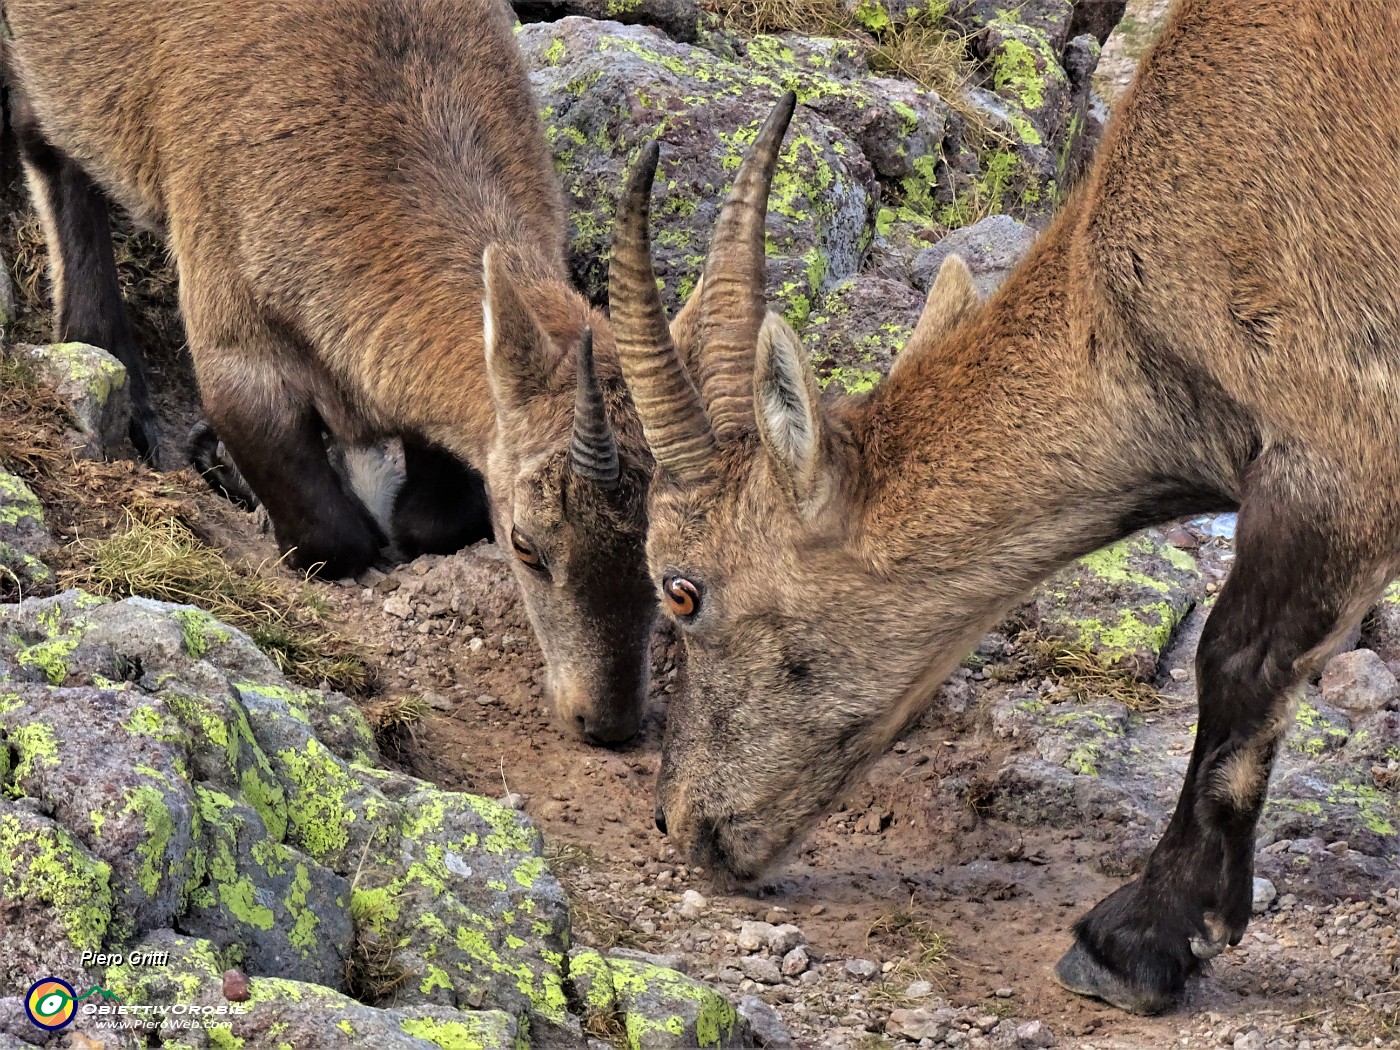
(88,305)
(275,438)
(1307,566)
(209,457)
(442,506)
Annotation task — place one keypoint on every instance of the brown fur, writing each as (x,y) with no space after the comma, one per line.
(1211,322)
(329,174)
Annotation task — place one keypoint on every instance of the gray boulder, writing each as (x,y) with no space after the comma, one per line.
(92,385)
(678,19)
(991,248)
(23,537)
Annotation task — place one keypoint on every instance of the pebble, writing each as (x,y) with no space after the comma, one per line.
(1003,993)
(486,700)
(514,800)
(1249,1041)
(918,989)
(863,969)
(917,1024)
(760,968)
(754,935)
(764,1022)
(235,986)
(785,938)
(437,701)
(692,904)
(1034,1034)
(1264,895)
(795,962)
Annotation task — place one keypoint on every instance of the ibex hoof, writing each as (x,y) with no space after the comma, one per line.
(1081,973)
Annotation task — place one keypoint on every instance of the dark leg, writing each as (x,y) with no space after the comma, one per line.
(88,305)
(1300,576)
(209,457)
(252,378)
(442,506)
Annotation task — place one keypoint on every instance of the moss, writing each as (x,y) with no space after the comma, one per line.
(318,810)
(41,865)
(200,631)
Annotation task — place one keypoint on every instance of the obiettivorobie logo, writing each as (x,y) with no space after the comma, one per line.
(51,1002)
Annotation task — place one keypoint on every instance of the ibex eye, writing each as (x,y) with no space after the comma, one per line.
(682,596)
(525,550)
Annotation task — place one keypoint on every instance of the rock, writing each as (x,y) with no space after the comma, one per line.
(760,968)
(1252,1040)
(1264,895)
(1381,629)
(659,1009)
(785,938)
(1085,738)
(764,1022)
(1132,35)
(1034,1034)
(861,969)
(1359,682)
(918,989)
(856,331)
(795,962)
(692,905)
(92,386)
(235,986)
(754,936)
(24,537)
(1031,792)
(678,19)
(606,89)
(1098,18)
(662,962)
(1118,607)
(991,248)
(918,1024)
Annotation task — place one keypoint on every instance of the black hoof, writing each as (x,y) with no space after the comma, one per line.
(346,548)
(145,439)
(207,456)
(1081,973)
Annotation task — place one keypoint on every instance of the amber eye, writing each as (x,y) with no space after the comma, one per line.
(525,550)
(682,596)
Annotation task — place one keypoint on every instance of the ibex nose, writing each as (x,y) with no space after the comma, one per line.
(660,820)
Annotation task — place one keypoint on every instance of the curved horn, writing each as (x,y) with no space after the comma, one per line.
(733,309)
(593,452)
(667,402)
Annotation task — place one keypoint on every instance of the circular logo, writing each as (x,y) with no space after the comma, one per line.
(50,1003)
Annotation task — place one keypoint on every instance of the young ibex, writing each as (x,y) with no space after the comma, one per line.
(330,174)
(1213,322)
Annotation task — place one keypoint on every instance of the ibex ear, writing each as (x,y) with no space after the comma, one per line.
(520,358)
(787,407)
(952,300)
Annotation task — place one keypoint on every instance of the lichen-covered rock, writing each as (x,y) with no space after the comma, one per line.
(1118,606)
(659,1009)
(1381,631)
(607,89)
(92,384)
(855,332)
(991,248)
(23,537)
(157,773)
(678,19)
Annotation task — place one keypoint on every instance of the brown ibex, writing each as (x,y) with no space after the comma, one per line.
(1212,322)
(329,175)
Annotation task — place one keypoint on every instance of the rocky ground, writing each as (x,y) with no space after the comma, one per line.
(370,871)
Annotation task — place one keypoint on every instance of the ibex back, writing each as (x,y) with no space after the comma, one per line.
(1212,322)
(329,175)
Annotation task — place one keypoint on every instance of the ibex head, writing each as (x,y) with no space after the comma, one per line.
(753,541)
(568,474)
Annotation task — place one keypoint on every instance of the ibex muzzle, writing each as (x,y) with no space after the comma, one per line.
(370,239)
(1212,322)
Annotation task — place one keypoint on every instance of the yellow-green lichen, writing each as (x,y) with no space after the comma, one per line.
(199,631)
(43,868)
(318,808)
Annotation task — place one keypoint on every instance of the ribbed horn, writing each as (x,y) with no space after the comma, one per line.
(735,274)
(667,402)
(593,451)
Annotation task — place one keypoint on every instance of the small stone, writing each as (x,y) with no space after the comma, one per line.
(764,1022)
(1182,538)
(754,935)
(918,989)
(514,800)
(776,916)
(1249,1040)
(760,968)
(1359,682)
(785,938)
(486,700)
(235,986)
(795,962)
(1003,993)
(1180,674)
(692,904)
(730,976)
(809,978)
(399,606)
(437,701)
(917,1024)
(1264,894)
(862,969)
(1034,1034)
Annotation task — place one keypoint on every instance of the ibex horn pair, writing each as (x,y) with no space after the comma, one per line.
(683,431)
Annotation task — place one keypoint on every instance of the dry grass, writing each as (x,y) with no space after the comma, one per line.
(1083,674)
(165,560)
(603,927)
(926,952)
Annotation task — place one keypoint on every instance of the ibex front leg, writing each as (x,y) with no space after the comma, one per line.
(1302,574)
(88,305)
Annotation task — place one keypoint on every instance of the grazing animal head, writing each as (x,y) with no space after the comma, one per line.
(568,472)
(752,522)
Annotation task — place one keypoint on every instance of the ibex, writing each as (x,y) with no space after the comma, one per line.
(1212,322)
(330,175)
